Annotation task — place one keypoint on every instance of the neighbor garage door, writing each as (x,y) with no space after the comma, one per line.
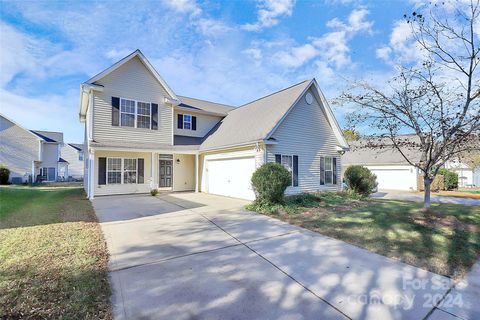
(231,177)
(395,179)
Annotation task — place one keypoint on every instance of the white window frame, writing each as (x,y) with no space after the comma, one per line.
(80,156)
(45,169)
(189,122)
(108,169)
(122,170)
(291,171)
(135,113)
(125,170)
(330,171)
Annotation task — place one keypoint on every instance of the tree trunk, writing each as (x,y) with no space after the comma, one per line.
(427,183)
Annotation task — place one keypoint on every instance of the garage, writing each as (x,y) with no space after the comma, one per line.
(400,178)
(231,177)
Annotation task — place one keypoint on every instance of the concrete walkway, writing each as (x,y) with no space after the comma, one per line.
(198,256)
(462,302)
(418,197)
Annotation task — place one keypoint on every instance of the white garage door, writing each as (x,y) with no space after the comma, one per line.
(394,179)
(231,177)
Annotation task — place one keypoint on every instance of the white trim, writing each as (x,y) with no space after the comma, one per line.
(330,117)
(135,113)
(200,111)
(139,54)
(107,170)
(196,172)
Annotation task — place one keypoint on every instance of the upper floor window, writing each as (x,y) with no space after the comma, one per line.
(80,155)
(186,121)
(135,114)
(127,113)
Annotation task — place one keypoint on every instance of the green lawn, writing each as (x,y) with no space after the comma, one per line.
(444,240)
(53,257)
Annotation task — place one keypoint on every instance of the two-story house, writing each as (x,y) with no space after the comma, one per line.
(140,135)
(30,155)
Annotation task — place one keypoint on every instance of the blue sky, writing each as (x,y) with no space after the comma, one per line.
(228,51)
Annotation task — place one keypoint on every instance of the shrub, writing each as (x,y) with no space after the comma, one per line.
(269,183)
(154,192)
(4,174)
(450,179)
(361,180)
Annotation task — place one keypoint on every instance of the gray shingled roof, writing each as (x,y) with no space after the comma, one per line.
(77,146)
(360,154)
(49,136)
(255,120)
(204,105)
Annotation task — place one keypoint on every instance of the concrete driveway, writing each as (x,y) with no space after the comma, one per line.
(198,256)
(418,197)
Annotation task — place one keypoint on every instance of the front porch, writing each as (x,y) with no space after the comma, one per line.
(127,172)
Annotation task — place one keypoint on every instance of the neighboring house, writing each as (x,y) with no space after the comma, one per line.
(72,153)
(29,154)
(140,135)
(467,177)
(392,170)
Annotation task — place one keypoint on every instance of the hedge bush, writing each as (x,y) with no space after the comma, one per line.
(269,183)
(361,180)
(450,179)
(4,174)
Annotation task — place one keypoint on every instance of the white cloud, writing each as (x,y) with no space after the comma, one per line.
(296,56)
(184,6)
(269,13)
(117,54)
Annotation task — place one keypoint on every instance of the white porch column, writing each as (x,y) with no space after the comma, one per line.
(196,172)
(91,174)
(152,179)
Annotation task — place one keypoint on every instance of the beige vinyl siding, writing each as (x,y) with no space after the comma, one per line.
(75,166)
(131,81)
(306,132)
(123,188)
(50,155)
(18,149)
(205,123)
(183,172)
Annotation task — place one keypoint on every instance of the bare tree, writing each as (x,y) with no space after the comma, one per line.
(435,99)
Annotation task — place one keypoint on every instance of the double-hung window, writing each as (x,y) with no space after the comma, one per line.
(328,170)
(290,162)
(114,170)
(127,113)
(143,115)
(187,121)
(80,155)
(129,170)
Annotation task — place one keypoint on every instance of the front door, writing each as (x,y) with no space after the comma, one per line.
(166,173)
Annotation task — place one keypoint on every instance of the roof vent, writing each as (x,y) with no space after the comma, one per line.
(309,98)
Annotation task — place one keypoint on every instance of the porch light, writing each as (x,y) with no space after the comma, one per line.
(178,161)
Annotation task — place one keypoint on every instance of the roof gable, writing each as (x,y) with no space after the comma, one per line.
(145,62)
(257,121)
(21,127)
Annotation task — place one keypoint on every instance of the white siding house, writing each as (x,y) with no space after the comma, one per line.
(72,154)
(139,135)
(30,155)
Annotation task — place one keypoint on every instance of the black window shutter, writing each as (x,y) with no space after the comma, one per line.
(194,123)
(322,171)
(115,111)
(102,171)
(180,121)
(140,172)
(154,116)
(295,171)
(334,164)
(278,158)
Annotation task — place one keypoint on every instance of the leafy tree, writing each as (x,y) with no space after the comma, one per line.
(435,98)
(351,134)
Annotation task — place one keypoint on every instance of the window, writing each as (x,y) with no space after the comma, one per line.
(143,115)
(287,162)
(127,113)
(114,170)
(80,155)
(328,170)
(290,162)
(47,174)
(129,170)
(187,121)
